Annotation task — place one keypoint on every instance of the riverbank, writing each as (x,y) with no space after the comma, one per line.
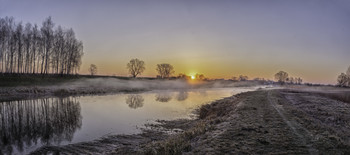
(30,87)
(279,121)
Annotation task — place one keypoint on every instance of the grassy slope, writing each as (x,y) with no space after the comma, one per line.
(263,122)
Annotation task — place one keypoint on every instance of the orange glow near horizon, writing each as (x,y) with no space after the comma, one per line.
(213,68)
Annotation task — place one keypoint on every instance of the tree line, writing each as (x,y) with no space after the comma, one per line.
(137,67)
(28,48)
(282,77)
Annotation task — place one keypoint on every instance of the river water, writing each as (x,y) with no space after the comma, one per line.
(29,124)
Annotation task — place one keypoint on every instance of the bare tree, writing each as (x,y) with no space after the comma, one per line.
(27,46)
(235,78)
(47,33)
(243,78)
(281,77)
(348,74)
(35,46)
(58,49)
(46,50)
(93,69)
(3,41)
(136,67)
(343,80)
(19,44)
(183,76)
(200,77)
(298,80)
(291,80)
(165,70)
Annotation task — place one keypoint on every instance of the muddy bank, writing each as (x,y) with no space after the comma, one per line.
(260,122)
(123,144)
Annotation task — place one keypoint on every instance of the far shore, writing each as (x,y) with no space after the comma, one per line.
(16,87)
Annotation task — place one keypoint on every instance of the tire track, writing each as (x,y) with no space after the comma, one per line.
(293,125)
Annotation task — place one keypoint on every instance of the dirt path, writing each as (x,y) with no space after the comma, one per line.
(302,133)
(256,124)
(265,122)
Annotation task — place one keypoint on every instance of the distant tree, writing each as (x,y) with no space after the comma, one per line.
(136,67)
(165,70)
(291,80)
(259,79)
(93,69)
(343,80)
(199,77)
(234,78)
(183,76)
(298,80)
(281,77)
(243,78)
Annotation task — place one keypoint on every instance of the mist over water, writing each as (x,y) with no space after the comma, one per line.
(157,84)
(137,84)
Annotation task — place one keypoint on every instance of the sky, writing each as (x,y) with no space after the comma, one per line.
(218,38)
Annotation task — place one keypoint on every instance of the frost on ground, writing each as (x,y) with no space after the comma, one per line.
(277,121)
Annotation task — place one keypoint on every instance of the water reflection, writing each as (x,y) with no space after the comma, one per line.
(41,121)
(182,96)
(134,101)
(163,97)
(203,92)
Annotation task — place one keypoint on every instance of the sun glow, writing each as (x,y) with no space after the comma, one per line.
(193,77)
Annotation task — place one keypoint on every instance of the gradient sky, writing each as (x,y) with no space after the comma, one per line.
(218,38)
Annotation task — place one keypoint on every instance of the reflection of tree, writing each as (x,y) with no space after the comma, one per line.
(182,96)
(134,101)
(28,122)
(163,97)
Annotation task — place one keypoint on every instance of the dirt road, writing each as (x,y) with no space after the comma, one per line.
(280,122)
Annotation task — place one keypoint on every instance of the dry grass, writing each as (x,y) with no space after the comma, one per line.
(178,143)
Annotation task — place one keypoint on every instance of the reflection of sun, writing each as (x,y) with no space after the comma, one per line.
(193,77)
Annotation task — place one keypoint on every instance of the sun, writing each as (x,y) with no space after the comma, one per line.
(193,77)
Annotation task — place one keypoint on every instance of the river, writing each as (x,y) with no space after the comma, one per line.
(29,124)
